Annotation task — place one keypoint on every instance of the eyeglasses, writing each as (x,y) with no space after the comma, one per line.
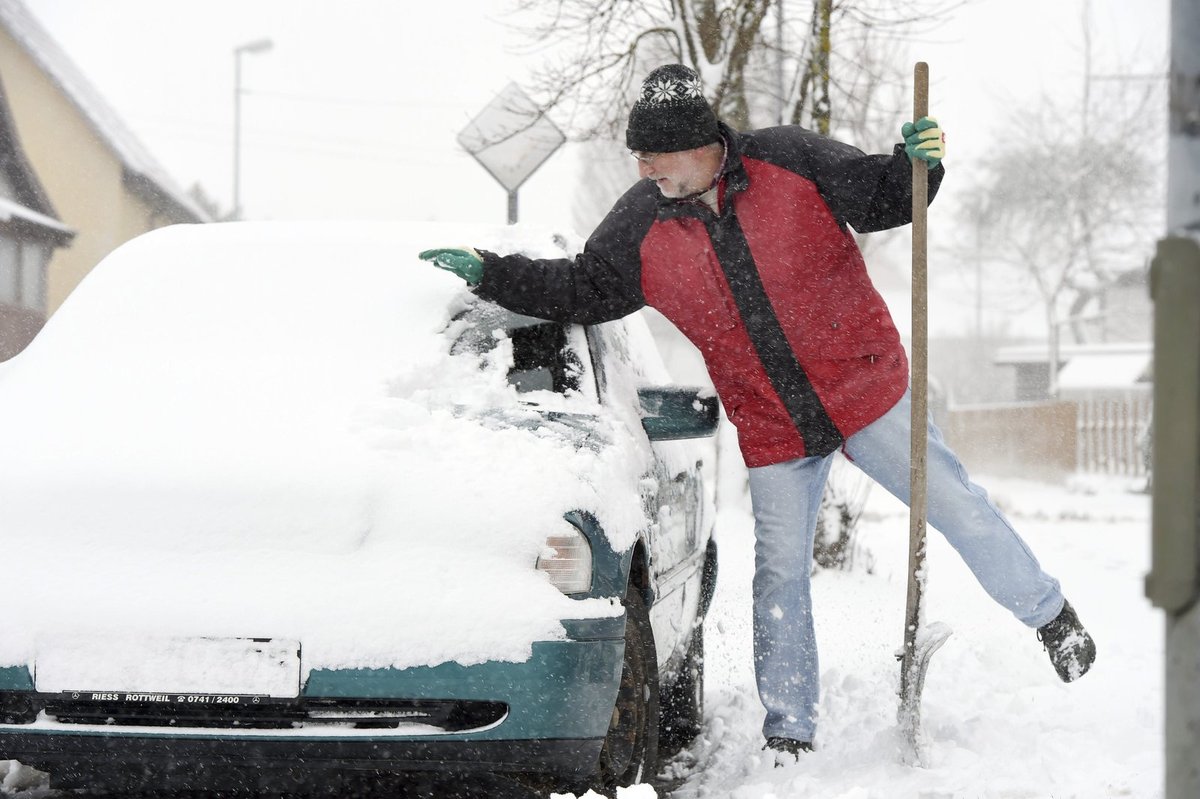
(645,158)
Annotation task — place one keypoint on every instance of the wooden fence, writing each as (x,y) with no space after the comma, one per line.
(1098,434)
(1113,434)
(1028,439)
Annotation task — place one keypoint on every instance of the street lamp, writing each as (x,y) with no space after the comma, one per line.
(256,46)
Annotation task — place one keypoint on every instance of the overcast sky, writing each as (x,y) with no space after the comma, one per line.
(355,110)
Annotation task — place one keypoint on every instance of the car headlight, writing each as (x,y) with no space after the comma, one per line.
(567,559)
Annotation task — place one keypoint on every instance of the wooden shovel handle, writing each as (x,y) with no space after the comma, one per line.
(919,390)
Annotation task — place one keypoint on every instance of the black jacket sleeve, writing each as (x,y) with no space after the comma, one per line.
(600,284)
(866,192)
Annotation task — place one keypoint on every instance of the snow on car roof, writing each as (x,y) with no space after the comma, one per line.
(256,429)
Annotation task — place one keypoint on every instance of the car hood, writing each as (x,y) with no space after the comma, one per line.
(402,473)
(257,475)
(396,552)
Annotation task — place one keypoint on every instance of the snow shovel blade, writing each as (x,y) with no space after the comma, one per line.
(930,638)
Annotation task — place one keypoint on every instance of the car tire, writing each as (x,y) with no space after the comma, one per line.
(683,700)
(630,751)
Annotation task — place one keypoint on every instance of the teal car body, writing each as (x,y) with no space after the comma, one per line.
(588,707)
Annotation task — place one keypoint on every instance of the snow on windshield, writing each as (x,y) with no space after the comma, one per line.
(260,429)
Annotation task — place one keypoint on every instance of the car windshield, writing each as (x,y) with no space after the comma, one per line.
(540,355)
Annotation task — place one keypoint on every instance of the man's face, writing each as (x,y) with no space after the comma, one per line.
(682,173)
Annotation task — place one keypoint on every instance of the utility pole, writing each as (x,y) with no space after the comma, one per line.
(1174,580)
(256,46)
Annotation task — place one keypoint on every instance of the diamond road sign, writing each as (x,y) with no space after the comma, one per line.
(511,138)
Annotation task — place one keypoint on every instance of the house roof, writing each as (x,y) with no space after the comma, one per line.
(1040,353)
(1089,367)
(10,210)
(142,172)
(28,206)
(1103,370)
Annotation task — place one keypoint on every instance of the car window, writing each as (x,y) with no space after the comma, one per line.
(545,355)
(627,356)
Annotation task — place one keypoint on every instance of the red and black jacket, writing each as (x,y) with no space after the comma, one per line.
(772,290)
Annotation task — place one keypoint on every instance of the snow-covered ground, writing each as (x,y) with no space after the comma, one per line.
(998,722)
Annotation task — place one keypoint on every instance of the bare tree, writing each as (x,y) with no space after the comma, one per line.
(830,66)
(818,61)
(1071,194)
(1067,204)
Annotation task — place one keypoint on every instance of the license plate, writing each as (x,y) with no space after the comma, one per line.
(206,669)
(175,700)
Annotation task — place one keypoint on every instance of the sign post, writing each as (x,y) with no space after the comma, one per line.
(511,138)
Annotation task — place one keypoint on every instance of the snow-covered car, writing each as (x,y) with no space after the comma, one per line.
(283,507)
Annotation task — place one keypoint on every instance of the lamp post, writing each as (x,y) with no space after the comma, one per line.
(256,46)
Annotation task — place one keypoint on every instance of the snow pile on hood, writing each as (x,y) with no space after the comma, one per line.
(258,429)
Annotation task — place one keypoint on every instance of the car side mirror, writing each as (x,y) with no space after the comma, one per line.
(674,412)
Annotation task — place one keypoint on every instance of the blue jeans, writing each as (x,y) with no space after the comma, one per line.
(786,498)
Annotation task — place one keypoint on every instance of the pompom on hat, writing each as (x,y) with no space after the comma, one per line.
(671,113)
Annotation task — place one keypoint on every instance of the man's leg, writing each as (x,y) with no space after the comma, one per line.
(786,498)
(962,512)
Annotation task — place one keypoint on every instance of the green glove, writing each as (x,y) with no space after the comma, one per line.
(462,261)
(924,139)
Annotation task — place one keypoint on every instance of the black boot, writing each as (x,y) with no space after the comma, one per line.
(1070,647)
(787,750)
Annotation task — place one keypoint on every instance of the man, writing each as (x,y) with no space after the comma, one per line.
(743,241)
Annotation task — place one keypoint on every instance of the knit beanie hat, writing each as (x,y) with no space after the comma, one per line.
(671,114)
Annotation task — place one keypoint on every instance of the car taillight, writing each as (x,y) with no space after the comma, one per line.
(567,559)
